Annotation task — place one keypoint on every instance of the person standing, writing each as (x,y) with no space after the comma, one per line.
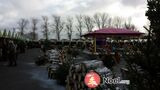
(5,50)
(12,54)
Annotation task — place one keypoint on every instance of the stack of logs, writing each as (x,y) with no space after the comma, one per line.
(52,70)
(77,72)
(54,62)
(56,58)
(53,56)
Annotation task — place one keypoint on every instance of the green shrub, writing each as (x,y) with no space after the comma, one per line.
(61,73)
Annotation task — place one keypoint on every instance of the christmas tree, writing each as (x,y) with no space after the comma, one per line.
(144,67)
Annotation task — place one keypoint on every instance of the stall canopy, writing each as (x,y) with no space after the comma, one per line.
(113,32)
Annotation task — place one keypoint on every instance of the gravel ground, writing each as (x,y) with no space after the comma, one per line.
(26,76)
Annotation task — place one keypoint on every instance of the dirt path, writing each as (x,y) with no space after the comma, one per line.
(26,76)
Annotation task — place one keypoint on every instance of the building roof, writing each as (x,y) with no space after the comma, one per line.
(113,32)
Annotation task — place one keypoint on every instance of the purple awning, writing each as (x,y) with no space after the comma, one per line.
(113,32)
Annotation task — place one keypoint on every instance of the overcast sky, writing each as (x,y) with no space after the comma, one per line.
(12,10)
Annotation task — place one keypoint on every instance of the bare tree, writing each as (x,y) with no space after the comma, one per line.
(80,25)
(129,25)
(104,20)
(88,22)
(34,27)
(118,22)
(22,24)
(13,32)
(58,25)
(101,20)
(45,26)
(110,22)
(97,20)
(69,27)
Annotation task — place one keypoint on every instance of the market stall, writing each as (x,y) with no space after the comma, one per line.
(111,32)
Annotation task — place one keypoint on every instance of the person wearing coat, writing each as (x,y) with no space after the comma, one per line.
(12,54)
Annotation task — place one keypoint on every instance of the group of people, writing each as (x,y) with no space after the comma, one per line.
(8,52)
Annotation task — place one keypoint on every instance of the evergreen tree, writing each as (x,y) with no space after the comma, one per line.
(144,67)
(4,33)
(0,33)
(153,14)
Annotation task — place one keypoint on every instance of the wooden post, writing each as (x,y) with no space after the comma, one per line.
(94,43)
(85,42)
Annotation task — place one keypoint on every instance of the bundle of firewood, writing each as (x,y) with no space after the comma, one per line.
(53,56)
(54,62)
(51,69)
(56,58)
(77,72)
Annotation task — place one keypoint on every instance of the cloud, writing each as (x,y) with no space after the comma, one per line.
(90,6)
(133,3)
(12,10)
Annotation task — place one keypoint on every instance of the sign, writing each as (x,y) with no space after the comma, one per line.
(92,79)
